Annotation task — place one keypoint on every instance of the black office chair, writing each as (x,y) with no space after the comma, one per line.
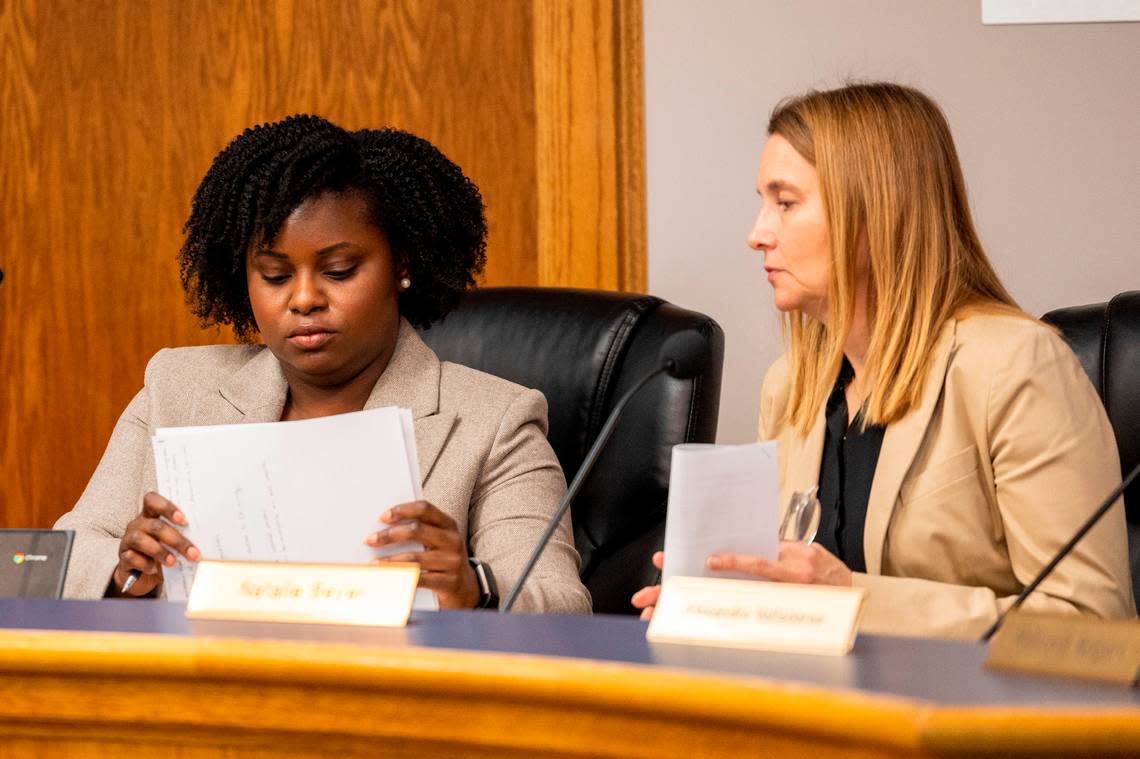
(1106,339)
(583,349)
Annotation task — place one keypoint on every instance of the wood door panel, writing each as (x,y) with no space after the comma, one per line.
(111,110)
(110,113)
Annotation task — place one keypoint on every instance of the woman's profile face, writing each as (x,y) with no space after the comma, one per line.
(324,292)
(791,229)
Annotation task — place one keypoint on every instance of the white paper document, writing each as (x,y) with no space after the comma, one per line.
(304,491)
(722,499)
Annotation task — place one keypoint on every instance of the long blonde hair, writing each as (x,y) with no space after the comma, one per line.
(889,175)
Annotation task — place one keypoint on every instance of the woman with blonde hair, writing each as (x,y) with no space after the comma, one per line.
(955,440)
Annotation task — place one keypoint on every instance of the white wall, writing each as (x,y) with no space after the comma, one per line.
(1047,121)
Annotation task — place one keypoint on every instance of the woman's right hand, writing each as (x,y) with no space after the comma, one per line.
(646,598)
(147,543)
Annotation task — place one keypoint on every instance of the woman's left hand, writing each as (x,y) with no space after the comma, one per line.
(799,562)
(443,562)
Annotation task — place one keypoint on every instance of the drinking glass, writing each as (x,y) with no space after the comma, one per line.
(802,517)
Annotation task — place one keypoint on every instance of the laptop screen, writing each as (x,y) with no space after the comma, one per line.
(33,563)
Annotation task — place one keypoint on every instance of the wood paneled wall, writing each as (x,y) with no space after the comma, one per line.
(588,88)
(111,111)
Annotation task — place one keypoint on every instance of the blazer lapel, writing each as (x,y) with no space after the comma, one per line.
(900,444)
(802,457)
(411,380)
(257,392)
(254,393)
(431,434)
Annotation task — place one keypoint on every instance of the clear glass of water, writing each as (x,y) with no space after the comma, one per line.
(801,520)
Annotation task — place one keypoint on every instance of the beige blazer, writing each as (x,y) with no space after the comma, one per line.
(975,490)
(481,441)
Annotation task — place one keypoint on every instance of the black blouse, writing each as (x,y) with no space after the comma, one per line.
(850,455)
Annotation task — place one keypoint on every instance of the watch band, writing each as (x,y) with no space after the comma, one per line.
(488,590)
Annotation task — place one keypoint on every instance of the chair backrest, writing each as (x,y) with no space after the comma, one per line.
(583,349)
(1106,339)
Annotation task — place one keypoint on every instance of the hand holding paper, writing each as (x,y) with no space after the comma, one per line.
(722,499)
(308,491)
(441,553)
(723,523)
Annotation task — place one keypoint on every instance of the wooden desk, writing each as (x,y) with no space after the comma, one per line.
(173,690)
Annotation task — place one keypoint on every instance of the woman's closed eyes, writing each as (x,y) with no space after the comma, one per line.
(338,275)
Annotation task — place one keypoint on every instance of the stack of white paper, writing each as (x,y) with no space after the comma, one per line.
(722,499)
(305,491)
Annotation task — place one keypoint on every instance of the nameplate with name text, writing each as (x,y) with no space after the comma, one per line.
(328,594)
(1067,645)
(753,614)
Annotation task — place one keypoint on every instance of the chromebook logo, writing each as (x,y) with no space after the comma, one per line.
(20,557)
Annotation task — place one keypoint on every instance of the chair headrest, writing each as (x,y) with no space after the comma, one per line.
(584,349)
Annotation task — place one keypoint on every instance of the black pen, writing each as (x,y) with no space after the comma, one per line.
(132,577)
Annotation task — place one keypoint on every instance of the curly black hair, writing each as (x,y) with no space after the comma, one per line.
(430,212)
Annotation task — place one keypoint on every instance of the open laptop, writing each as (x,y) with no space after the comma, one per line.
(33,563)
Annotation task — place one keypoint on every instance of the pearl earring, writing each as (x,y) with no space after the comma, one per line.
(405,283)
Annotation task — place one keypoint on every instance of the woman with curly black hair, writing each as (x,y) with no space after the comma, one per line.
(331,245)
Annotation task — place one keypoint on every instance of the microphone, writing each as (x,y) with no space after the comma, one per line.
(684,355)
(1065,550)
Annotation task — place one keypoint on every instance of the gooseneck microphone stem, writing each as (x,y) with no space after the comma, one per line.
(576,485)
(1065,550)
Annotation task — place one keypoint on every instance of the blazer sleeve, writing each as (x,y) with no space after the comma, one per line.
(1054,459)
(112,498)
(518,492)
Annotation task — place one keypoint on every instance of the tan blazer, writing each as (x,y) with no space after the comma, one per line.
(976,489)
(481,442)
